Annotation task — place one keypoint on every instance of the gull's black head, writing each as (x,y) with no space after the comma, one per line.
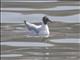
(46,20)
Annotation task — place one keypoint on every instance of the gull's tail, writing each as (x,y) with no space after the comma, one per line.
(30,26)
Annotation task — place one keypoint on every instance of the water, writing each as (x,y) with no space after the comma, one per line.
(25,44)
(64,40)
(59,46)
(11,55)
(58,49)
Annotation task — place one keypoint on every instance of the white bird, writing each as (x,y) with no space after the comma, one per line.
(39,30)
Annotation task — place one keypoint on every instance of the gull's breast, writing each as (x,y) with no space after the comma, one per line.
(44,31)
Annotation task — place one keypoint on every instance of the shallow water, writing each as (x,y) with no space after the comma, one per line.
(58,49)
(71,40)
(15,45)
(26,44)
(64,40)
(10,55)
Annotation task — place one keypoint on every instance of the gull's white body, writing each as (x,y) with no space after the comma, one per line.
(38,30)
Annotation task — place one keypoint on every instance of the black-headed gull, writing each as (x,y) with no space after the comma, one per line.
(39,30)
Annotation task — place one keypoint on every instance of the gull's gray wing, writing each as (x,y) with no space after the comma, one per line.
(33,27)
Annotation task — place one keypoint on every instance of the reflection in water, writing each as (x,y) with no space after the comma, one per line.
(26,44)
(11,55)
(66,40)
(16,47)
(59,13)
(44,51)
